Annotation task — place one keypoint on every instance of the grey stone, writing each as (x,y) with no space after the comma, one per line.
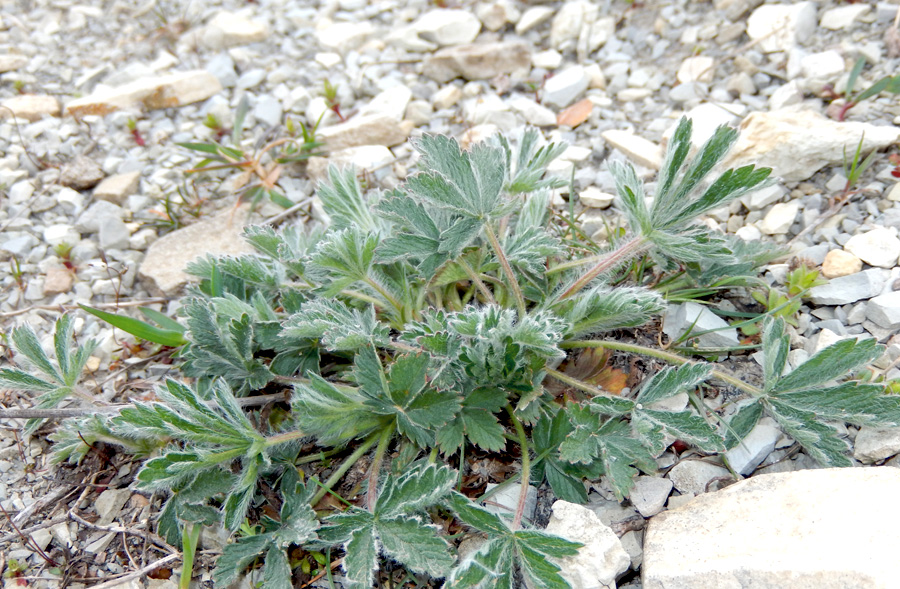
(753,449)
(849,289)
(19,246)
(693,476)
(875,444)
(81,173)
(91,220)
(697,318)
(113,234)
(649,494)
(222,67)
(781,530)
(884,310)
(109,504)
(268,110)
(481,61)
(563,88)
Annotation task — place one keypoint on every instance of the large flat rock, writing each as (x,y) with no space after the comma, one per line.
(811,529)
(163,267)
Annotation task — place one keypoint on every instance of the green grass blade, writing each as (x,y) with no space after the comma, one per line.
(162,320)
(140,329)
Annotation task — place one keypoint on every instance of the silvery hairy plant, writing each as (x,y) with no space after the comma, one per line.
(430,322)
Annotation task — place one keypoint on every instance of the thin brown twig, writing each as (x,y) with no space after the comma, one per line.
(120,529)
(41,503)
(30,530)
(138,573)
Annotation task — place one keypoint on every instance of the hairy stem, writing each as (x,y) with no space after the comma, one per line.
(343,468)
(633,247)
(488,296)
(667,356)
(507,269)
(284,438)
(526,467)
(375,468)
(387,296)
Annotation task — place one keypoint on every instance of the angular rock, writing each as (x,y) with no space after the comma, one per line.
(445,26)
(878,247)
(109,504)
(10,62)
(760,199)
(563,88)
(91,220)
(884,310)
(81,173)
(31,107)
(849,289)
(166,91)
(602,557)
(650,494)
(366,130)
(779,27)
(228,29)
(824,66)
(116,189)
(696,69)
(532,112)
(637,149)
(113,234)
(57,280)
(533,17)
(843,17)
(163,267)
(796,143)
(840,263)
(482,61)
(391,102)
(755,447)
(875,444)
(575,114)
(569,21)
(698,318)
(506,500)
(345,36)
(595,198)
(693,476)
(781,530)
(367,157)
(779,218)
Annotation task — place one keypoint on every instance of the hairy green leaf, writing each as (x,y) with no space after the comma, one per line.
(340,327)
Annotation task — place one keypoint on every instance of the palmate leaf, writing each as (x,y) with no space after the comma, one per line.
(338,326)
(565,478)
(476,422)
(802,403)
(396,527)
(608,441)
(298,525)
(538,332)
(226,350)
(469,183)
(652,425)
(531,161)
(291,246)
(403,394)
(333,414)
(56,382)
(75,437)
(427,234)
(344,257)
(495,563)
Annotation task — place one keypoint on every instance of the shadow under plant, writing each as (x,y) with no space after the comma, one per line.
(423,326)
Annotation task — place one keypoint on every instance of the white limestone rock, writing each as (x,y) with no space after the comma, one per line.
(153,93)
(445,26)
(780,217)
(781,530)
(875,444)
(878,247)
(796,143)
(884,310)
(563,88)
(650,494)
(849,289)
(755,447)
(639,150)
(698,318)
(779,27)
(600,560)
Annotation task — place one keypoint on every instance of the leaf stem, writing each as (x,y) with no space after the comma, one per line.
(633,247)
(666,356)
(488,296)
(526,467)
(507,269)
(284,438)
(384,293)
(375,468)
(344,467)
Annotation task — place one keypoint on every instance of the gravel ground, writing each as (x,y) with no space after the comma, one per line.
(102,100)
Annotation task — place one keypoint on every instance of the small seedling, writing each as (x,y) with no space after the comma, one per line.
(135,133)
(19,86)
(786,306)
(15,270)
(213,122)
(889,84)
(331,99)
(63,251)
